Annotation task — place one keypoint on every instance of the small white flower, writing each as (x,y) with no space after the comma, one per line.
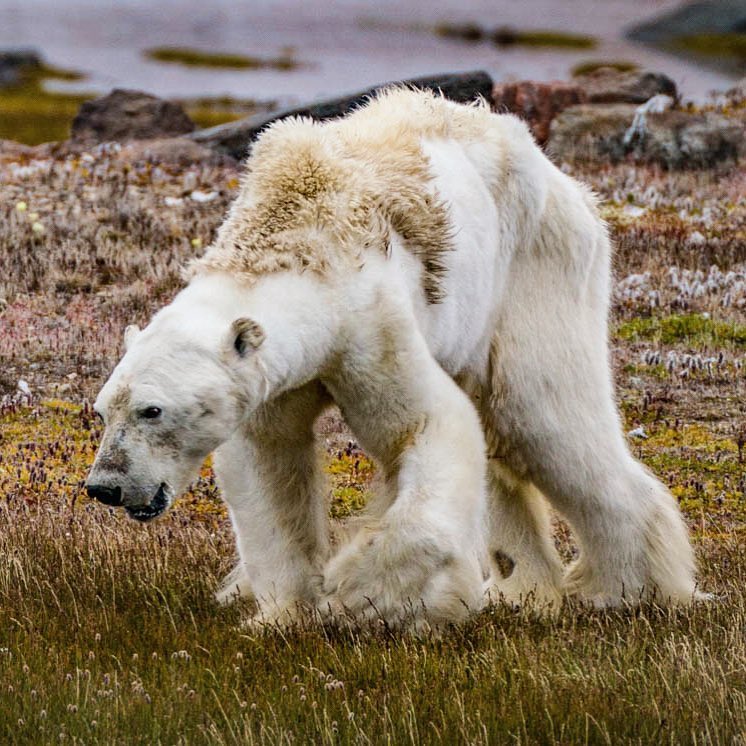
(696,239)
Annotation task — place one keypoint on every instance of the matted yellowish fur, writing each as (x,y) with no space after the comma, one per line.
(315,195)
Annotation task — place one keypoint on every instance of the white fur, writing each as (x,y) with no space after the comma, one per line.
(521,328)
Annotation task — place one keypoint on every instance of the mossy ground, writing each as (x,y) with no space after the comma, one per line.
(200,58)
(110,633)
(506,36)
(724,45)
(32,114)
(591,66)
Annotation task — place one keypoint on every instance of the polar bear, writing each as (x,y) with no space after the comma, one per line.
(424,266)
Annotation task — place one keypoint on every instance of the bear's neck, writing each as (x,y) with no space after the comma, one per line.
(296,312)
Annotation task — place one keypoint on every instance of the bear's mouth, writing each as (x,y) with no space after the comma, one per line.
(145,513)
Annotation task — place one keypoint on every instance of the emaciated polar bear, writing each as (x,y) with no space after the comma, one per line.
(424,266)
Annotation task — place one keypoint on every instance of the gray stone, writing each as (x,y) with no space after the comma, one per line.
(609,86)
(126,115)
(235,138)
(672,139)
(14,62)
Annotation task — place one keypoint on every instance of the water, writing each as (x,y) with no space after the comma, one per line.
(344,44)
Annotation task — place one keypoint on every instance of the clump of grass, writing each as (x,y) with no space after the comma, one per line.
(558,39)
(693,330)
(199,58)
(507,36)
(592,66)
(351,472)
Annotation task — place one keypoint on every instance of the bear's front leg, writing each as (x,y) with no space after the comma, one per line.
(272,483)
(419,559)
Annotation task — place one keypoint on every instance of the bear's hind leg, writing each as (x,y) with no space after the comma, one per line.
(525,564)
(559,421)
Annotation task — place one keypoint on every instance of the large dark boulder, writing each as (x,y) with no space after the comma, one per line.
(126,115)
(235,138)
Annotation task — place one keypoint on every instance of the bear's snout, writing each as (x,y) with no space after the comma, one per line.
(106,495)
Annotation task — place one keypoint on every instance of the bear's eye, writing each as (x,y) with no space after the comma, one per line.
(150,413)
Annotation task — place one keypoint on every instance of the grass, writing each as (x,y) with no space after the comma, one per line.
(693,330)
(199,58)
(110,633)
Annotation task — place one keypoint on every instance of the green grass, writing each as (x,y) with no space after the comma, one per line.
(692,330)
(111,633)
(199,58)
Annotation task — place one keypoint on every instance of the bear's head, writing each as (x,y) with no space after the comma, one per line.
(175,396)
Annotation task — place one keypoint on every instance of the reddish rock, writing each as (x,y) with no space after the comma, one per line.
(126,115)
(537,103)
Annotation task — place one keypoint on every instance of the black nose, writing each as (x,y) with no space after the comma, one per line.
(106,495)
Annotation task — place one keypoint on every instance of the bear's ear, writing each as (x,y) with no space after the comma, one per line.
(246,336)
(129,335)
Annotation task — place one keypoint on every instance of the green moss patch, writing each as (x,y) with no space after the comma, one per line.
(31,114)
(198,58)
(693,330)
(731,46)
(506,36)
(591,66)
(548,39)
(351,473)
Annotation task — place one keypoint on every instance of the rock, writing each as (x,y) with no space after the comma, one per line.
(13,63)
(537,103)
(234,138)
(179,151)
(672,139)
(609,86)
(590,132)
(126,115)
(736,96)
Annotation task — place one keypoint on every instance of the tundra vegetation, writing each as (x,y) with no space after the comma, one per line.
(108,629)
(200,58)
